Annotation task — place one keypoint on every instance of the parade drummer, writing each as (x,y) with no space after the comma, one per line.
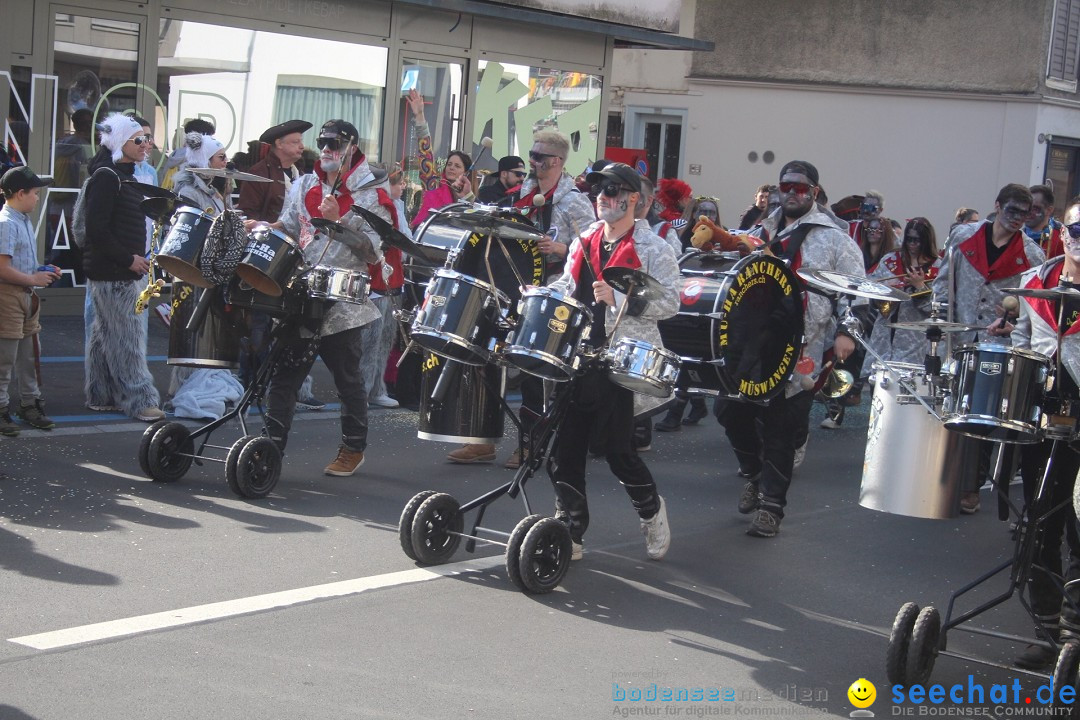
(601,414)
(1037,329)
(764,436)
(341,178)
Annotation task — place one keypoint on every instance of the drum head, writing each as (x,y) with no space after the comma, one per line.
(760,329)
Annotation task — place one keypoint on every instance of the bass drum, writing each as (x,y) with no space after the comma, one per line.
(468,411)
(453,232)
(913,466)
(739,332)
(215,344)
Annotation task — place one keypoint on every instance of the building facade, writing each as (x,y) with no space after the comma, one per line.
(936,105)
(486,70)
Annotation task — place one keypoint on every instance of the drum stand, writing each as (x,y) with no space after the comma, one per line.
(918,636)
(538,549)
(252,463)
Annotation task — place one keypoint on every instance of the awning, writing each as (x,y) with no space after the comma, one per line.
(625,36)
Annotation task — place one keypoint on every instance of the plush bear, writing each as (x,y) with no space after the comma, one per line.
(708,237)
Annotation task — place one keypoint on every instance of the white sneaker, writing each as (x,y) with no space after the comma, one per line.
(577,550)
(829,424)
(657,533)
(383,401)
(150,414)
(800,453)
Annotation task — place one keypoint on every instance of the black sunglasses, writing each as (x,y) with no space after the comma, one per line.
(519,173)
(610,189)
(1074,230)
(332,143)
(539,157)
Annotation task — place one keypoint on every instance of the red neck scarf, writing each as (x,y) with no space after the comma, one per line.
(623,255)
(526,201)
(1011,262)
(1049,277)
(314,196)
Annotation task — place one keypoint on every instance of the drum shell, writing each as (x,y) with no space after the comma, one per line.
(183,244)
(998,392)
(642,367)
(215,344)
(693,333)
(290,302)
(549,334)
(339,284)
(459,319)
(270,260)
(913,466)
(469,411)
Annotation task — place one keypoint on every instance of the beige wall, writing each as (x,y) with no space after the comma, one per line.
(928,154)
(664,70)
(982,45)
(662,15)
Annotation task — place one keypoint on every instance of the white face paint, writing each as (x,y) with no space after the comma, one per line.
(612,214)
(1072,246)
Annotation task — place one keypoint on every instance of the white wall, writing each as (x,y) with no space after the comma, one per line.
(662,15)
(928,154)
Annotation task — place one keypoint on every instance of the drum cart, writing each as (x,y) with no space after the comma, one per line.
(252,463)
(919,635)
(538,548)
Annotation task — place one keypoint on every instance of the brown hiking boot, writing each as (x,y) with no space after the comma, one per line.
(34,416)
(346,463)
(7,425)
(472,453)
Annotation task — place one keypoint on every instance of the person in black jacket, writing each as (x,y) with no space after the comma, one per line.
(504,190)
(117,377)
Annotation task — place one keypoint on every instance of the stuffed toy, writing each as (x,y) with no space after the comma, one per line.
(707,236)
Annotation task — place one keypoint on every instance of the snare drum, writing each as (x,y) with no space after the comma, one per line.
(180,251)
(642,367)
(330,283)
(459,318)
(549,334)
(997,393)
(270,260)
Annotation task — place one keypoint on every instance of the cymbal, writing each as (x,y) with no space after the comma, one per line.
(499,226)
(159,209)
(153,191)
(348,237)
(934,324)
(395,238)
(1051,293)
(644,286)
(231,174)
(856,285)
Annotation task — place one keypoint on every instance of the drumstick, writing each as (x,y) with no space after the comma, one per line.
(341,170)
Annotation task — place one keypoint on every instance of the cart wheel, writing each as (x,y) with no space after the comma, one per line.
(144,446)
(1065,672)
(545,556)
(405,523)
(899,640)
(436,529)
(231,460)
(258,467)
(513,549)
(923,650)
(168,455)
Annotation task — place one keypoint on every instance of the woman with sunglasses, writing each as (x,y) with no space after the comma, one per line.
(911,269)
(205,193)
(700,205)
(449,187)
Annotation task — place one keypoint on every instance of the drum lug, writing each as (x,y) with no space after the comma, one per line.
(1004,407)
(1011,366)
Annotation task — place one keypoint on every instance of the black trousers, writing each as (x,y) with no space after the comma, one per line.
(764,438)
(600,413)
(341,352)
(1043,590)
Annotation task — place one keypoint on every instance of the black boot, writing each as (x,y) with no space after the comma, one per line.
(697,410)
(673,420)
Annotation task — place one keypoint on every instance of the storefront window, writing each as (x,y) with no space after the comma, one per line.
(96,63)
(514,101)
(244,81)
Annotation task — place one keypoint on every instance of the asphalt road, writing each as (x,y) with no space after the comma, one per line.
(125,598)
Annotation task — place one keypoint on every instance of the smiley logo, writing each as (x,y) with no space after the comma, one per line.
(862,693)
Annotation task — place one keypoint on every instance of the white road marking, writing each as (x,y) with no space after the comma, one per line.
(244,606)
